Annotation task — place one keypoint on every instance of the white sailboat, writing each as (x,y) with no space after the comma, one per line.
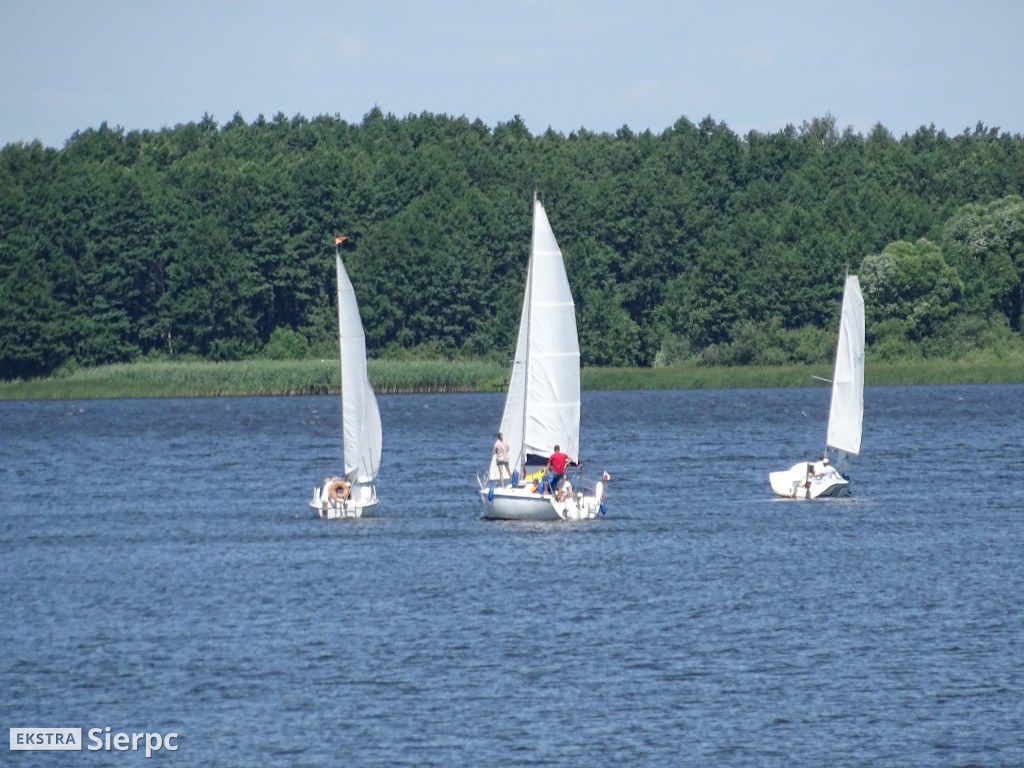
(542,408)
(349,495)
(825,478)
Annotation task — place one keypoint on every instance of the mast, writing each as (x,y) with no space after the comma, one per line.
(341,365)
(529,322)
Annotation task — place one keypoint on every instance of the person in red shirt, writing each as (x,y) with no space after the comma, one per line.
(554,472)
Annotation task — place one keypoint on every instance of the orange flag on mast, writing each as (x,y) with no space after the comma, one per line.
(339,240)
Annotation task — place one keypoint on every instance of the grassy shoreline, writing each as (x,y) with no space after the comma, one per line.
(316,377)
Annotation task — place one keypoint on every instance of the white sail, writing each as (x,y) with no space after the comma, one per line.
(846,414)
(542,408)
(360,417)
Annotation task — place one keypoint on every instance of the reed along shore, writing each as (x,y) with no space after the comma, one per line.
(318,377)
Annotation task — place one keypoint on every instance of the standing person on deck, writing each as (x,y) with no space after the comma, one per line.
(554,472)
(501,459)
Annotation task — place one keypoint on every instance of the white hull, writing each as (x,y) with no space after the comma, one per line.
(522,504)
(794,483)
(362,497)
(339,511)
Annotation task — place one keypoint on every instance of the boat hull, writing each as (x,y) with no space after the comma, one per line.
(794,483)
(523,504)
(339,511)
(362,497)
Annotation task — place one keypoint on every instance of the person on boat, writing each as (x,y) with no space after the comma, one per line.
(323,493)
(822,469)
(501,459)
(554,472)
(535,488)
(564,492)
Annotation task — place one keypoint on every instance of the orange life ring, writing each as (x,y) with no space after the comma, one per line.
(344,490)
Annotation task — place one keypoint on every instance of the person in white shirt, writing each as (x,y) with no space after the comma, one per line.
(822,469)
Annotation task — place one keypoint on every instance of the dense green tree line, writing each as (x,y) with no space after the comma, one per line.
(695,244)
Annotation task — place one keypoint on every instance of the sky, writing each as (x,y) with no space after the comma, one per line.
(598,65)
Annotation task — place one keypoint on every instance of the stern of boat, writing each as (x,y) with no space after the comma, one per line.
(791,483)
(361,497)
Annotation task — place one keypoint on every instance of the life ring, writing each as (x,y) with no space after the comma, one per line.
(344,490)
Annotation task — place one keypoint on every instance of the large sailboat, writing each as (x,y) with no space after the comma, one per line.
(542,408)
(827,477)
(356,490)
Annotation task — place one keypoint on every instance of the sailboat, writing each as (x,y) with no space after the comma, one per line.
(349,495)
(542,407)
(826,477)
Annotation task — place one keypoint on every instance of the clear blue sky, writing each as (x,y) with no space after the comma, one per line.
(68,65)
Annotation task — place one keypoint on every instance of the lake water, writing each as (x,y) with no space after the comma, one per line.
(161,572)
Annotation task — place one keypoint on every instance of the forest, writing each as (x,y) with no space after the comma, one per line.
(693,246)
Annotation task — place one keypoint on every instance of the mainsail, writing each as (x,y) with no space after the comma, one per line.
(542,408)
(847,410)
(360,418)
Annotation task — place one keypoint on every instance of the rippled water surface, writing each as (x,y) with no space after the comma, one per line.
(161,572)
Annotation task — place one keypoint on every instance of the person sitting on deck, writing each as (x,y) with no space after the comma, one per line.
(565,492)
(323,492)
(822,469)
